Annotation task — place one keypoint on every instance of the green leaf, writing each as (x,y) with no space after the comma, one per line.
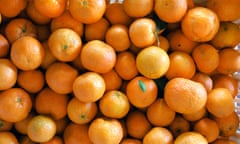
(142,86)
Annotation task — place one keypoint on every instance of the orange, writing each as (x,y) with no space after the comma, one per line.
(200,24)
(96,30)
(192,117)
(81,112)
(60,77)
(224,141)
(164,42)
(228,35)
(54,140)
(87,11)
(228,125)
(117,37)
(15,104)
(48,56)
(181,65)
(32,81)
(115,14)
(130,141)
(21,126)
(227,10)
(137,124)
(12,8)
(27,53)
(159,114)
(226,81)
(75,133)
(51,103)
(126,65)
(179,42)
(8,74)
(41,128)
(141,91)
(152,62)
(18,28)
(208,128)
(35,15)
(4,46)
(206,57)
(43,32)
(220,102)
(5,126)
(229,61)
(190,138)
(61,124)
(50,8)
(204,79)
(184,95)
(98,56)
(179,125)
(112,80)
(138,8)
(114,104)
(89,87)
(8,137)
(105,131)
(65,44)
(142,32)
(67,21)
(170,11)
(158,135)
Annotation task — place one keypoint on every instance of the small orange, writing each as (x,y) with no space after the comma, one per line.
(18,28)
(164,42)
(158,135)
(51,103)
(181,65)
(21,126)
(220,102)
(8,137)
(190,138)
(50,8)
(8,74)
(15,104)
(142,32)
(65,44)
(115,14)
(97,30)
(98,56)
(159,114)
(105,131)
(179,125)
(152,62)
(208,128)
(32,81)
(137,124)
(27,53)
(41,128)
(89,87)
(130,141)
(48,56)
(60,77)
(112,80)
(12,8)
(206,57)
(200,24)
(117,37)
(179,42)
(4,46)
(185,95)
(81,112)
(54,140)
(204,79)
(114,104)
(126,65)
(170,11)
(61,124)
(192,117)
(43,32)
(5,125)
(141,91)
(87,11)
(75,133)
(67,21)
(139,8)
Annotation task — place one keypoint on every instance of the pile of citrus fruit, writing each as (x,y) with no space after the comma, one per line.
(110,72)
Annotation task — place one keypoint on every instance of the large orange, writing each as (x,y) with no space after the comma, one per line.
(87,11)
(184,95)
